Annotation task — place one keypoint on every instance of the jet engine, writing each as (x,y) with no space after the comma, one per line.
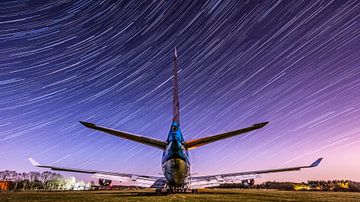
(104,182)
(248,183)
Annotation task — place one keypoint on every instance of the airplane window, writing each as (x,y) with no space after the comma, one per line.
(174,128)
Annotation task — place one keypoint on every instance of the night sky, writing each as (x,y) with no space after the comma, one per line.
(294,63)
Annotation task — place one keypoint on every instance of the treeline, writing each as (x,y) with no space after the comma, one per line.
(333,185)
(38,181)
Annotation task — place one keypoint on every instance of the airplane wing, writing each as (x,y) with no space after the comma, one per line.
(206,140)
(216,180)
(137,138)
(124,179)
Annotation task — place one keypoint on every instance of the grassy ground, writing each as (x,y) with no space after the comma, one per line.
(203,195)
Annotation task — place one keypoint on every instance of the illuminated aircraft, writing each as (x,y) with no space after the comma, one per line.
(175,158)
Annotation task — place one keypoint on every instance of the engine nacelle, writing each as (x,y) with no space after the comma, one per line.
(248,183)
(104,182)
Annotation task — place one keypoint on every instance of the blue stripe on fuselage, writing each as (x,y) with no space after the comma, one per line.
(175,148)
(175,133)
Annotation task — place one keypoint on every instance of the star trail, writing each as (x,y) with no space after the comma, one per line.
(294,63)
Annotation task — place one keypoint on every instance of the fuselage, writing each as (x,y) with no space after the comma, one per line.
(175,160)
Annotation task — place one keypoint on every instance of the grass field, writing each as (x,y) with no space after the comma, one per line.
(203,195)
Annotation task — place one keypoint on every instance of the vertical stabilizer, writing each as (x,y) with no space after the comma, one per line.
(176,109)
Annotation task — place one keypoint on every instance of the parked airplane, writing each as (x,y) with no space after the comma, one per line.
(175,158)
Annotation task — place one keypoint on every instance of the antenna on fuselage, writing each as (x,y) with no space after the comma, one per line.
(176,108)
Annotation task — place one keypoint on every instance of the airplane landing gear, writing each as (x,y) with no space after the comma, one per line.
(181,189)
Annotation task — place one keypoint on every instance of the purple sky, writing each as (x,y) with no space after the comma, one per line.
(295,64)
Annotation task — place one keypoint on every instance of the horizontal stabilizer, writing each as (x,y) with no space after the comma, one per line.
(206,140)
(137,138)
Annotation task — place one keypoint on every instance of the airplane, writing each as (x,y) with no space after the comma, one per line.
(175,158)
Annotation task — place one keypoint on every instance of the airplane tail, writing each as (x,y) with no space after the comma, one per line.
(176,108)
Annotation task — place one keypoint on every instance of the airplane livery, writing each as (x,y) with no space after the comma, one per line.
(175,158)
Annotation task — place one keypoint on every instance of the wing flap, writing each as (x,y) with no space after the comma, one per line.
(137,138)
(206,140)
(216,180)
(125,179)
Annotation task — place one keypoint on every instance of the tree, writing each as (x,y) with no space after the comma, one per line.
(8,175)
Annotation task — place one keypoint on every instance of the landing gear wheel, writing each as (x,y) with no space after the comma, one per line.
(194,191)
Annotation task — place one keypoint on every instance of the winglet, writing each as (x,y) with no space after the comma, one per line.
(33,162)
(316,163)
(175,53)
